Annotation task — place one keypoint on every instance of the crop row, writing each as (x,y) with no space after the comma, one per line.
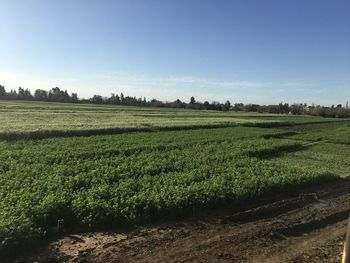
(20,119)
(333,132)
(105,181)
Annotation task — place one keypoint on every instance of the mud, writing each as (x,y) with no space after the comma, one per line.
(309,226)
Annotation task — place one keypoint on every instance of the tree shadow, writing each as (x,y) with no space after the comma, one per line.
(270,153)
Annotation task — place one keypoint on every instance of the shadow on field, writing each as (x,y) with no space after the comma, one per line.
(265,154)
(279,135)
(288,124)
(10,136)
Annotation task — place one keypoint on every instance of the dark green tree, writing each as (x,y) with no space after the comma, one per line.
(74,97)
(227,106)
(97,99)
(2,92)
(40,94)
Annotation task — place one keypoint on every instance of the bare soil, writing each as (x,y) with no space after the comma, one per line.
(308,226)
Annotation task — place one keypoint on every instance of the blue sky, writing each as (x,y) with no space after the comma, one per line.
(251,51)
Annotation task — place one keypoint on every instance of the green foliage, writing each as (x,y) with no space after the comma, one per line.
(329,132)
(105,181)
(331,112)
(20,119)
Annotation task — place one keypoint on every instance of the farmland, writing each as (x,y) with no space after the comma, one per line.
(41,119)
(202,160)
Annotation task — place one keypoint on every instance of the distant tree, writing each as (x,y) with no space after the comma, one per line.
(20,93)
(97,99)
(58,95)
(251,107)
(74,97)
(192,100)
(40,94)
(55,94)
(215,105)
(283,108)
(66,97)
(24,94)
(111,99)
(238,107)
(176,104)
(156,103)
(27,94)
(12,95)
(2,92)
(297,109)
(227,106)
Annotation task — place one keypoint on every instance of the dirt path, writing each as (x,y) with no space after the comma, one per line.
(308,227)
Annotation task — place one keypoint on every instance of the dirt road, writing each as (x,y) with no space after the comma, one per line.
(306,227)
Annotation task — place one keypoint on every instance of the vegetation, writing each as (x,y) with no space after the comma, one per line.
(326,132)
(105,181)
(23,119)
(58,95)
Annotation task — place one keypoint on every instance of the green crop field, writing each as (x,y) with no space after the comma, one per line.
(41,119)
(104,181)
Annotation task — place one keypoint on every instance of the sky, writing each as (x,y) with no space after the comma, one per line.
(250,51)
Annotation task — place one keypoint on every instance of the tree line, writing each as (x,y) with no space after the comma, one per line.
(55,94)
(58,95)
